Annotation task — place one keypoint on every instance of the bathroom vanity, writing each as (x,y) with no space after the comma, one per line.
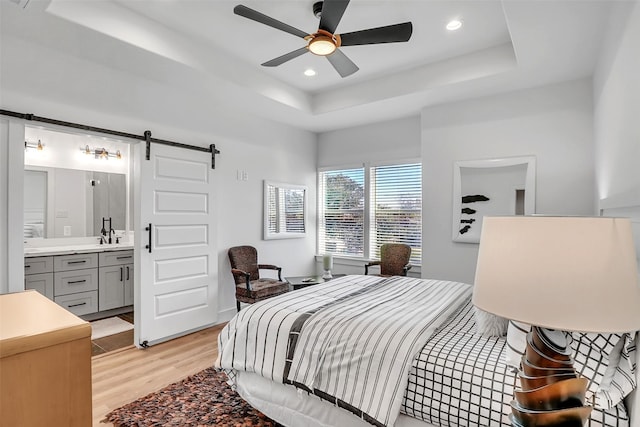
(84,279)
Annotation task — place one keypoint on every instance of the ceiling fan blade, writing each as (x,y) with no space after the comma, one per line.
(267,20)
(286,57)
(388,34)
(343,65)
(332,11)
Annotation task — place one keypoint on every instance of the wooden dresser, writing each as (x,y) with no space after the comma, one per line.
(45,363)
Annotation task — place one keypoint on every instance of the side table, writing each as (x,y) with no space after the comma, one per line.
(298,282)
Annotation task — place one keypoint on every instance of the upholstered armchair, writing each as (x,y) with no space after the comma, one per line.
(250,287)
(394,260)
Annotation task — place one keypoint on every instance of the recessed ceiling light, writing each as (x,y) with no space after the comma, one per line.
(454,24)
(309,72)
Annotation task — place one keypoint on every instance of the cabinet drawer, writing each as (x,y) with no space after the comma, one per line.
(115,258)
(79,304)
(69,282)
(75,262)
(37,265)
(42,283)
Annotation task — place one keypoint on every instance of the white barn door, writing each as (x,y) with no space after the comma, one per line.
(176,258)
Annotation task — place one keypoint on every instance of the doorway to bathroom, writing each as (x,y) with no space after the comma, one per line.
(111,334)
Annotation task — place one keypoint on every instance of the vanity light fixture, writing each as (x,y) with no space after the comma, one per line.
(101,153)
(38,146)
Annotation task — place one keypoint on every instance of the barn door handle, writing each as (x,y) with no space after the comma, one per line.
(149,230)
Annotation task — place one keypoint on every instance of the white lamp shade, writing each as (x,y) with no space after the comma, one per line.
(567,273)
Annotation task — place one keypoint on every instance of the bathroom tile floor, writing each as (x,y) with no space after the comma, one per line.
(114,342)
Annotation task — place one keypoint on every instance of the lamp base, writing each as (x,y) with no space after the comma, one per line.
(327,275)
(551,393)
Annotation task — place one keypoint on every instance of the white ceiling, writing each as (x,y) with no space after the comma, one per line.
(504,45)
(254,43)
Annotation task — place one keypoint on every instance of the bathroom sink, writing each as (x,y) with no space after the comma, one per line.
(35,250)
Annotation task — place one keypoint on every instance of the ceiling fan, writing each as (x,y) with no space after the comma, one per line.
(325,42)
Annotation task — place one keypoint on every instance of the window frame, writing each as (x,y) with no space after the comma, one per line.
(369,211)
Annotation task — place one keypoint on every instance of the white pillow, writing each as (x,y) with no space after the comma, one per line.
(516,342)
(489,324)
(608,361)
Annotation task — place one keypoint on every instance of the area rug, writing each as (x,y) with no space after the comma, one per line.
(203,399)
(109,326)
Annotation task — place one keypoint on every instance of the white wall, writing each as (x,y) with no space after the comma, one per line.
(617,107)
(392,140)
(60,82)
(11,206)
(553,123)
(281,159)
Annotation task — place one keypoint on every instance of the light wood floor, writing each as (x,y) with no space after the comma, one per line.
(122,376)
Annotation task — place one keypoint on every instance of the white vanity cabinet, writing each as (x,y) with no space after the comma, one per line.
(75,282)
(116,279)
(83,283)
(128,285)
(38,275)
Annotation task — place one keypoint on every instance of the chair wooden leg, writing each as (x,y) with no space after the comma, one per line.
(238,305)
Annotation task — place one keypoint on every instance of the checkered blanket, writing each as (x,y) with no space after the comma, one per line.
(460,378)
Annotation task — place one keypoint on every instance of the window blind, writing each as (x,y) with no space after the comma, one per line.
(293,201)
(272,210)
(396,208)
(342,212)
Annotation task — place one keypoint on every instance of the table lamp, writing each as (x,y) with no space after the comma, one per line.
(327,265)
(557,274)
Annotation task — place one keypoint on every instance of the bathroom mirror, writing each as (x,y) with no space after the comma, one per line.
(71,203)
(285,207)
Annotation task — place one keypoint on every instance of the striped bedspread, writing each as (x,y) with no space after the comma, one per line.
(350,341)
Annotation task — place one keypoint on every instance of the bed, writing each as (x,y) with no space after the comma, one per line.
(287,357)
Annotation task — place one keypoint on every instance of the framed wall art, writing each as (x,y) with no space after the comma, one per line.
(285,210)
(503,186)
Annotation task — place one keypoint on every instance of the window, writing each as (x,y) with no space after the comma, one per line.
(342,213)
(396,208)
(362,208)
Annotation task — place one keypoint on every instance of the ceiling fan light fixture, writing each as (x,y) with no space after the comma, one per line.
(322,45)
